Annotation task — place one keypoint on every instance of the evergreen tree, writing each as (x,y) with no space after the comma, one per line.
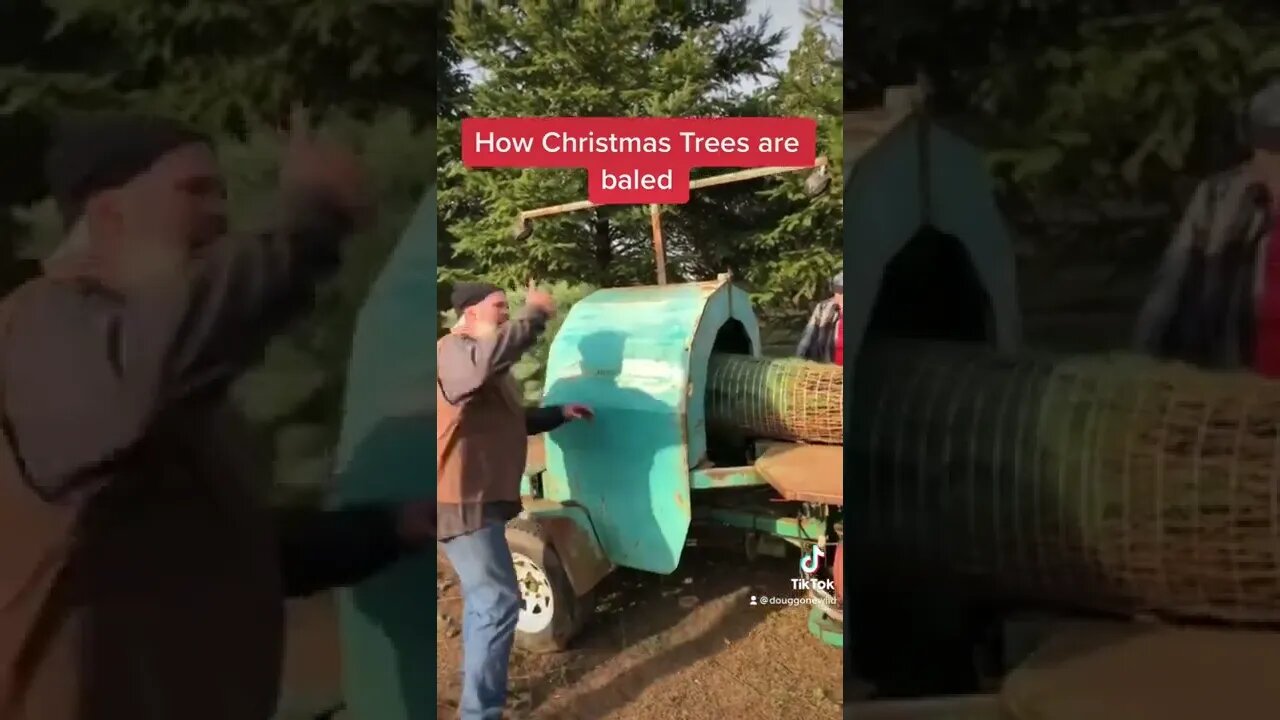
(630,58)
(794,260)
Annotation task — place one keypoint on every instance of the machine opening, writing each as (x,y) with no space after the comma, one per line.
(914,639)
(724,448)
(931,291)
(733,339)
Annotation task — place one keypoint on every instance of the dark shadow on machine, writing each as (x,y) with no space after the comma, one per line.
(627,430)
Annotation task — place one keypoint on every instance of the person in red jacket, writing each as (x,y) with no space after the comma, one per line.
(818,341)
(839,352)
(1215,301)
(1266,347)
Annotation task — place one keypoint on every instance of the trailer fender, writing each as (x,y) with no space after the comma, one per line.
(574,539)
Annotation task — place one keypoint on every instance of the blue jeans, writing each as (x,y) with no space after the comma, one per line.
(491,600)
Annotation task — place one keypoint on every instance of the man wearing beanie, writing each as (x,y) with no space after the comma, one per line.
(140,578)
(1216,296)
(482,429)
(823,336)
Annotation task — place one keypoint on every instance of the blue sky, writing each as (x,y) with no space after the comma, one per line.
(783,16)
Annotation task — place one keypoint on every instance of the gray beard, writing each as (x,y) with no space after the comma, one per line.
(150,265)
(145,265)
(1266,167)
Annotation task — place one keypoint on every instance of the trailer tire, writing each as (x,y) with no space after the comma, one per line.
(551,613)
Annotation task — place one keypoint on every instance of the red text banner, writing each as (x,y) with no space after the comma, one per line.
(638,160)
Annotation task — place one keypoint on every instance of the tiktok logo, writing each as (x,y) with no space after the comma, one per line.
(809,563)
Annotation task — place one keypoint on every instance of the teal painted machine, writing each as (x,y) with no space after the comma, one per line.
(624,490)
(388,623)
(639,357)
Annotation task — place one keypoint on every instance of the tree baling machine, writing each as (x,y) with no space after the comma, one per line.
(693,426)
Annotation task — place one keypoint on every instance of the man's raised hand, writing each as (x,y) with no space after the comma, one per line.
(539,299)
(313,164)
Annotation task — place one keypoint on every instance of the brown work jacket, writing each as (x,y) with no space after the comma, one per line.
(153,597)
(483,426)
(142,582)
(480,453)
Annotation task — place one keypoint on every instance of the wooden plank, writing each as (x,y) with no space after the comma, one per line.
(804,473)
(1101,670)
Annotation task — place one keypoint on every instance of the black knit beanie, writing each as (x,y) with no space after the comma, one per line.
(92,153)
(466,294)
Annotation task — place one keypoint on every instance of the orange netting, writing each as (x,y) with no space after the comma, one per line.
(783,399)
(1114,482)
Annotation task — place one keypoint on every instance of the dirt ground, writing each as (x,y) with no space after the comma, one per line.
(688,645)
